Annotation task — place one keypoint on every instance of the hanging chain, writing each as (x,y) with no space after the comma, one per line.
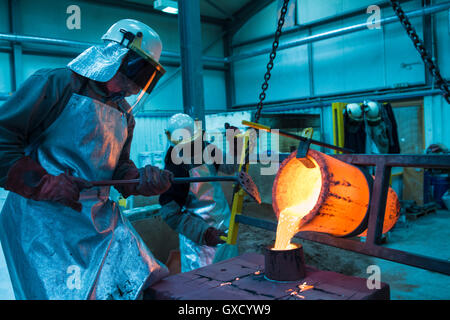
(267,75)
(420,47)
(273,54)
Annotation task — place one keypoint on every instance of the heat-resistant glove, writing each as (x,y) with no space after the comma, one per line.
(30,180)
(153,181)
(212,236)
(127,190)
(190,225)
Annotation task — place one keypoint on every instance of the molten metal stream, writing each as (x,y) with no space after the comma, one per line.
(324,195)
(293,217)
(289,222)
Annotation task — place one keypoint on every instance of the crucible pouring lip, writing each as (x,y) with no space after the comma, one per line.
(284,265)
(323,190)
(326,176)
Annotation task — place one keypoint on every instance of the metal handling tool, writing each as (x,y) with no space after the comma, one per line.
(243,179)
(297,137)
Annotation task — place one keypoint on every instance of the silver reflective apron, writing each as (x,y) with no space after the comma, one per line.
(206,200)
(54,252)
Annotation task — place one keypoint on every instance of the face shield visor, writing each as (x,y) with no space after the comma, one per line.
(143,75)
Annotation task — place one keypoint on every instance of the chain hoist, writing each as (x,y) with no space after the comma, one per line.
(420,47)
(267,76)
(237,196)
(272,56)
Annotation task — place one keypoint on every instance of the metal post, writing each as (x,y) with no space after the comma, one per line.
(191,58)
(16,53)
(378,203)
(427,22)
(310,66)
(229,74)
(167,80)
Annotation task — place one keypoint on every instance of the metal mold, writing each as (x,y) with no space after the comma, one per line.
(284,265)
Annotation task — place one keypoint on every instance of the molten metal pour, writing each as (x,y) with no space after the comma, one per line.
(289,222)
(293,217)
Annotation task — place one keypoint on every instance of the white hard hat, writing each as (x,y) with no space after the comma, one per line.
(131,48)
(101,62)
(372,110)
(182,129)
(355,112)
(138,37)
(141,65)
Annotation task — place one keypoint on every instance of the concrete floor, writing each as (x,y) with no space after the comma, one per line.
(428,235)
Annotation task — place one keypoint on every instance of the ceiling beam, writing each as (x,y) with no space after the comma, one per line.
(219,9)
(245,13)
(191,59)
(149,9)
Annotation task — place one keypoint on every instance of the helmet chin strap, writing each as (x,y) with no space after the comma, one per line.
(116,96)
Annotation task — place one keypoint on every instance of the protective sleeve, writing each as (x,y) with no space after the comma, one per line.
(185,223)
(28,112)
(126,169)
(177,192)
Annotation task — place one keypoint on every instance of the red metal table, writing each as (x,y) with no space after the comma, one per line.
(242,278)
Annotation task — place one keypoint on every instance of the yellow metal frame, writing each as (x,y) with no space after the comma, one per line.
(308,132)
(337,109)
(238,197)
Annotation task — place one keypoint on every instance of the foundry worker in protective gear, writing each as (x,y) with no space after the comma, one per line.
(199,211)
(62,237)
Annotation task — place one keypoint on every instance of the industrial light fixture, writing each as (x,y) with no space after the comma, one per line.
(167,6)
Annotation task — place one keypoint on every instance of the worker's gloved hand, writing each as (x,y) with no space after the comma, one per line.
(153,181)
(27,178)
(212,237)
(63,188)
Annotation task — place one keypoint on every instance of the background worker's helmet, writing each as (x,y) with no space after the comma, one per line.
(182,129)
(372,111)
(130,47)
(355,112)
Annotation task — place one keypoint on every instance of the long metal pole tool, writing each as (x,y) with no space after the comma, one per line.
(295,136)
(243,179)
